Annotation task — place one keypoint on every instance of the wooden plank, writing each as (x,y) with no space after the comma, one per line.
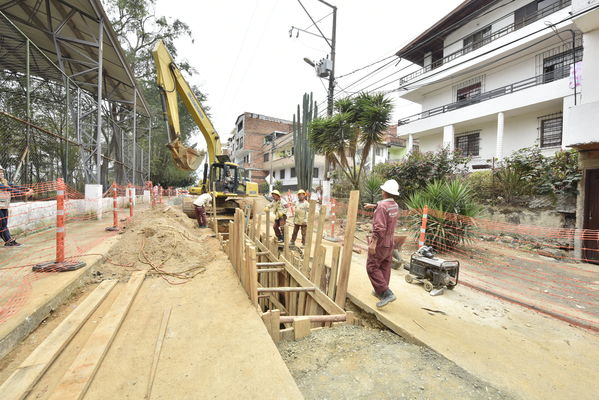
(268,228)
(309,234)
(285,289)
(230,241)
(292,306)
(334,270)
(252,275)
(327,304)
(348,243)
(157,350)
(264,270)
(315,318)
(76,380)
(266,318)
(270,264)
(316,276)
(301,327)
(275,330)
(22,380)
(286,241)
(320,228)
(287,334)
(214,207)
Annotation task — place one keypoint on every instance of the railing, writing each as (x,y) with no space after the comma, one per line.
(494,36)
(554,75)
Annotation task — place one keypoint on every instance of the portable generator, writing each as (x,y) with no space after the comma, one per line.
(431,271)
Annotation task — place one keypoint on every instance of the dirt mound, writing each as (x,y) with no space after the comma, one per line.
(165,242)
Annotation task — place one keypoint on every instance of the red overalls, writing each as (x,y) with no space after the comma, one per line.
(378,265)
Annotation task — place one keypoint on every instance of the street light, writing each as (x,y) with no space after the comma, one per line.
(309,62)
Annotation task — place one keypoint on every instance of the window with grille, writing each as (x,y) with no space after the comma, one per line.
(468,143)
(315,173)
(469,92)
(477,39)
(266,156)
(550,130)
(292,175)
(282,174)
(558,66)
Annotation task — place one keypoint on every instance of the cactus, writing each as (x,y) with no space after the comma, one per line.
(304,155)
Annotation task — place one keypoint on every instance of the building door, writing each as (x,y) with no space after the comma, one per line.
(591,215)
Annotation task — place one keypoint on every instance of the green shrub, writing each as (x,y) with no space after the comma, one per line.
(263,187)
(482,185)
(564,172)
(278,185)
(419,169)
(371,188)
(511,183)
(445,231)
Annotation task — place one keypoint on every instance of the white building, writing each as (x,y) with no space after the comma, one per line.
(496,76)
(493,77)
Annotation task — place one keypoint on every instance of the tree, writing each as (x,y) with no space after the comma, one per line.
(138,29)
(347,137)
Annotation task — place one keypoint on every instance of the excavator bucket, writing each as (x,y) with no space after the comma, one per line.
(186,158)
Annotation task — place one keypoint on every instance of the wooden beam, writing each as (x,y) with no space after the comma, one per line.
(270,264)
(266,270)
(316,276)
(309,234)
(334,270)
(327,304)
(157,350)
(285,289)
(22,380)
(268,228)
(301,327)
(78,377)
(286,241)
(348,243)
(320,228)
(275,330)
(314,318)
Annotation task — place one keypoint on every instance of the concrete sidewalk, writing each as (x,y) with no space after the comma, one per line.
(518,350)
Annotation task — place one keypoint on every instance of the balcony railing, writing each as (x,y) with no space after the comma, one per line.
(539,14)
(557,73)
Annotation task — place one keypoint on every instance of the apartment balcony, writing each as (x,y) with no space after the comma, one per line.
(507,24)
(537,89)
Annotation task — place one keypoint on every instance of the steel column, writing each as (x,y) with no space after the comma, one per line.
(134,132)
(99,105)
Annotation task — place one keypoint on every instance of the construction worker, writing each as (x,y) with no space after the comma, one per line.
(200,208)
(300,219)
(278,208)
(6,192)
(381,243)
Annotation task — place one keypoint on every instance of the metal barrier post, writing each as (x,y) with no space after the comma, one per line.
(130,201)
(115,214)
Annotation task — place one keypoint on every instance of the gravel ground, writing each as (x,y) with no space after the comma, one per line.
(355,362)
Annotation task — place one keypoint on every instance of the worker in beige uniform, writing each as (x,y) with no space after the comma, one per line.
(300,219)
(278,209)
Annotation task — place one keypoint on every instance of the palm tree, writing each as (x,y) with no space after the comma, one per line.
(359,123)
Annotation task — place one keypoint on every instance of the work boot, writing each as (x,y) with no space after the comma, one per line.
(386,298)
(12,243)
(375,294)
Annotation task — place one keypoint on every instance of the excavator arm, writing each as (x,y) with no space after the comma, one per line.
(172,83)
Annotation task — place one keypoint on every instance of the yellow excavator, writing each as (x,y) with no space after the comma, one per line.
(225,180)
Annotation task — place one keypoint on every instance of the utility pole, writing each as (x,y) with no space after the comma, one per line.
(332,74)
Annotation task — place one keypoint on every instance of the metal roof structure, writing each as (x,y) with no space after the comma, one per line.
(78,37)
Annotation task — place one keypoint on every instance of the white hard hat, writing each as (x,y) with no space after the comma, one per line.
(391,187)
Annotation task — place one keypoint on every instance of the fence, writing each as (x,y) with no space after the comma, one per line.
(52,206)
(549,270)
(49,124)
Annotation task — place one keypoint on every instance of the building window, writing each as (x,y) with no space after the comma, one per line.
(282,174)
(315,173)
(477,39)
(469,93)
(525,15)
(468,143)
(266,156)
(558,66)
(292,174)
(377,151)
(550,130)
(239,126)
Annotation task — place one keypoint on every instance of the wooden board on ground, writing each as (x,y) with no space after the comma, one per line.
(76,380)
(30,371)
(348,242)
(157,350)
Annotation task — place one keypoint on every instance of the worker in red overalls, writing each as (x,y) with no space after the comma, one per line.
(380,246)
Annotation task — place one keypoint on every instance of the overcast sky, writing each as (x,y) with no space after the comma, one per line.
(246,60)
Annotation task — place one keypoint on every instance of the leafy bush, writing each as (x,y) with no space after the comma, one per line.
(564,172)
(341,185)
(445,231)
(371,188)
(263,187)
(482,184)
(278,185)
(511,183)
(527,166)
(419,169)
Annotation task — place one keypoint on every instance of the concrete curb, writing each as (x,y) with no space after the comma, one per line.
(13,338)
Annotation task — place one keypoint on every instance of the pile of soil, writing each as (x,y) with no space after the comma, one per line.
(354,362)
(163,237)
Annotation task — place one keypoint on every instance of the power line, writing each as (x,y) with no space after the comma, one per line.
(366,66)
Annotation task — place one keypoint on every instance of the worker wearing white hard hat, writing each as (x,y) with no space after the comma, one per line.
(380,246)
(300,218)
(8,190)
